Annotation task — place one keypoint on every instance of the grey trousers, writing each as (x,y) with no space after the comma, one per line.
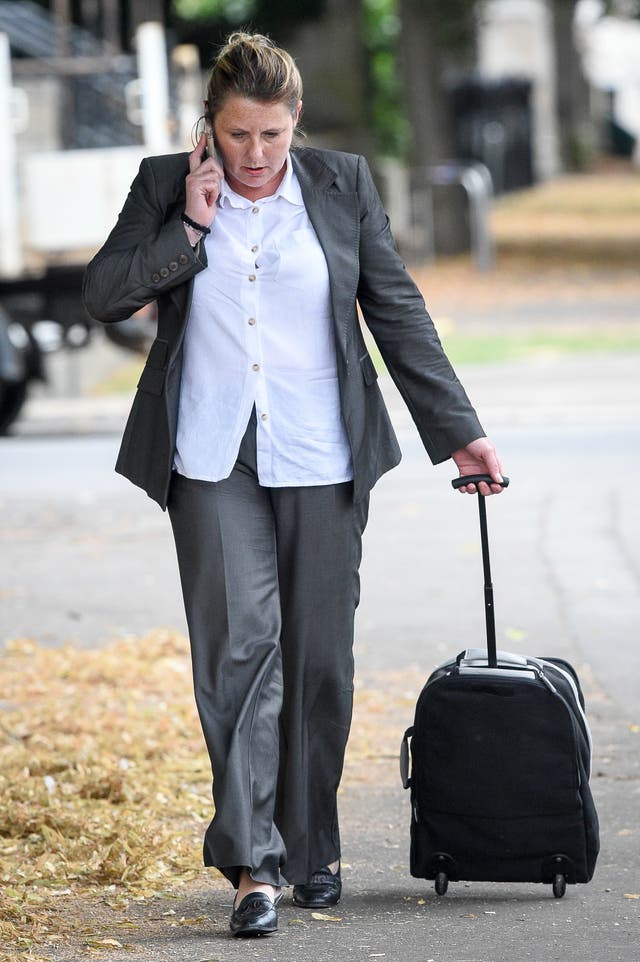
(270,584)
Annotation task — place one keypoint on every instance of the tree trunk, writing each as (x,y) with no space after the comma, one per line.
(577,136)
(332,59)
(441,214)
(422,69)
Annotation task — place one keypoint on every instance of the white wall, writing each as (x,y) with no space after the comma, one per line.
(71,198)
(611,55)
(515,40)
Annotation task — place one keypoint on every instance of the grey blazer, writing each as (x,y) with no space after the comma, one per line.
(147,257)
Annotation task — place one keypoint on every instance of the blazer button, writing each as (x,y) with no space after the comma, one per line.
(164,272)
(183,259)
(173,266)
(155,278)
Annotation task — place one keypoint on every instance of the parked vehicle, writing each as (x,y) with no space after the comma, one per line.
(60,195)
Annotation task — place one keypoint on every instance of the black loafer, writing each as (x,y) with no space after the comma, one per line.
(256,915)
(323,889)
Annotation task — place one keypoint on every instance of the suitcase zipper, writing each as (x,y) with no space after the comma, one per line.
(574,689)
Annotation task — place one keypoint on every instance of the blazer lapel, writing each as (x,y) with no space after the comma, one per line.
(335,217)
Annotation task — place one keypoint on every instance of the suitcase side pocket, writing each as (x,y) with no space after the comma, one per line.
(405,759)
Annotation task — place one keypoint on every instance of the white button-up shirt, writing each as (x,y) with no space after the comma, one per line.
(260,332)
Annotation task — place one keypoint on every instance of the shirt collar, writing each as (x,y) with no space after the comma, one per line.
(288,189)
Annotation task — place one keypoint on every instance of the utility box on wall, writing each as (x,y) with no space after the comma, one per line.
(515,39)
(493,125)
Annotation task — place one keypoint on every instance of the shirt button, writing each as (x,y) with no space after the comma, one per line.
(251,321)
(255,210)
(183,259)
(155,278)
(252,277)
(255,367)
(254,249)
(264,417)
(173,266)
(164,272)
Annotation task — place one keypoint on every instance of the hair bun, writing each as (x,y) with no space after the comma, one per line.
(251,39)
(252,65)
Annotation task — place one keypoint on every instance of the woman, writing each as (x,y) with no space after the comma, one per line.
(258,423)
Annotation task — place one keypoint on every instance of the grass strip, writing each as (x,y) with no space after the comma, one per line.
(493,348)
(497,348)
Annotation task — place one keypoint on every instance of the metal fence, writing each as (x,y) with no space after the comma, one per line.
(93,84)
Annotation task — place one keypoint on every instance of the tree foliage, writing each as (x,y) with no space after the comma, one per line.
(381,29)
(198,20)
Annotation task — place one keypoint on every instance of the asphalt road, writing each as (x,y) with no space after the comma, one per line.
(85,556)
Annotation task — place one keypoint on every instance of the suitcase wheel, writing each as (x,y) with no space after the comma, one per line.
(559,885)
(441,883)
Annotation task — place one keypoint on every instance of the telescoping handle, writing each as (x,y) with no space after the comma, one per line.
(486,564)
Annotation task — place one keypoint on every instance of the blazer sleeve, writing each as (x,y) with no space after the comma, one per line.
(395,313)
(147,252)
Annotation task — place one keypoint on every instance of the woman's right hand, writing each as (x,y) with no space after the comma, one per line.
(202,185)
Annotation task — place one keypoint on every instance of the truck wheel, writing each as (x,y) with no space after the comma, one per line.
(12,396)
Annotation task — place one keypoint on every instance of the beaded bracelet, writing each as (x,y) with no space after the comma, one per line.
(199,227)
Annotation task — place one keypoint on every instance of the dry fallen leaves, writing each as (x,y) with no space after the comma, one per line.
(105,781)
(104,784)
(104,944)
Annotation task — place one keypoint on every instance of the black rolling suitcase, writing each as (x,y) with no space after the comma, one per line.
(498,762)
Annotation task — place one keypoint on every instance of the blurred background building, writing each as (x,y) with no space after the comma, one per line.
(452,101)
(527,87)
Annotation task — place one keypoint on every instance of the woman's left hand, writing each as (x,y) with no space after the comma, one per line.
(479,457)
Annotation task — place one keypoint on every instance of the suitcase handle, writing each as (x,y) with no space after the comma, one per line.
(492,655)
(476,479)
(477,656)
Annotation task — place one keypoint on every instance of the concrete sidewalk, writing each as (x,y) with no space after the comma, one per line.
(582,389)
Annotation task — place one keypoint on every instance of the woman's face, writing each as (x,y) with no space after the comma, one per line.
(253,139)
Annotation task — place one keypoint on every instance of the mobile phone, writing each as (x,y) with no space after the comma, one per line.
(208,129)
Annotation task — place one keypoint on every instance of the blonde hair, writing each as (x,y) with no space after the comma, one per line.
(251,65)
